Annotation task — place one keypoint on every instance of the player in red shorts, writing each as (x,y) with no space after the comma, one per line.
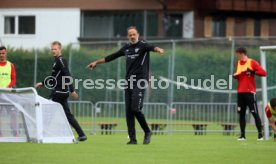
(270,111)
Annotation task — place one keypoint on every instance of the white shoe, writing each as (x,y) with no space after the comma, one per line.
(260,139)
(241,139)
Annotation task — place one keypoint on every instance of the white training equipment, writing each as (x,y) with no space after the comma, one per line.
(27,117)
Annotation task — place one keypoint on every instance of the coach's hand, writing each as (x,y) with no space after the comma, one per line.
(74,95)
(91,65)
(159,50)
(38,85)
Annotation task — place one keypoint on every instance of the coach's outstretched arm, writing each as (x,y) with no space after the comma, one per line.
(160,51)
(108,58)
(94,64)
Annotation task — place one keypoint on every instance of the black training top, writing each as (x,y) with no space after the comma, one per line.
(60,68)
(137,59)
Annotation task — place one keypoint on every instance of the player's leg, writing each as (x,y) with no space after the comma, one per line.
(73,122)
(252,104)
(275,133)
(62,99)
(137,106)
(242,113)
(130,118)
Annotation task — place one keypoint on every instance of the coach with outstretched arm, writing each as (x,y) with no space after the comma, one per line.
(137,65)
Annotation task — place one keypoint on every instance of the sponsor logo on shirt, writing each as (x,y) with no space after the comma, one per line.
(132,56)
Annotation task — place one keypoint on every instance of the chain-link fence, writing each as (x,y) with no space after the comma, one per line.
(195,59)
(106,117)
(200,61)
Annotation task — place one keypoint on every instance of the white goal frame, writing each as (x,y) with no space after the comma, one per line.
(263,50)
(39,136)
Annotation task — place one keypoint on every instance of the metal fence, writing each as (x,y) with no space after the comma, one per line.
(84,113)
(206,117)
(196,59)
(108,118)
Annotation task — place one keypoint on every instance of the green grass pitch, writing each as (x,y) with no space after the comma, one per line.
(168,149)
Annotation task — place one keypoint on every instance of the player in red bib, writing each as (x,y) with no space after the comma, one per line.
(7,80)
(245,74)
(270,111)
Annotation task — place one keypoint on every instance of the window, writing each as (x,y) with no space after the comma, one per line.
(152,24)
(20,25)
(114,24)
(174,25)
(257,27)
(123,20)
(218,27)
(9,25)
(26,25)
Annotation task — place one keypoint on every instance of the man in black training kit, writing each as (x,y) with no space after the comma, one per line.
(137,65)
(60,93)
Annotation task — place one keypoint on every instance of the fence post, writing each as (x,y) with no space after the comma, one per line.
(264,94)
(171,69)
(118,77)
(92,108)
(35,67)
(145,20)
(230,73)
(171,73)
(70,58)
(169,118)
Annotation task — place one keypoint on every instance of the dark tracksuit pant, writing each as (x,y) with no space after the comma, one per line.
(62,99)
(244,100)
(134,104)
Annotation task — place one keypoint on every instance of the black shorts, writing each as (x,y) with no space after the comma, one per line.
(247,100)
